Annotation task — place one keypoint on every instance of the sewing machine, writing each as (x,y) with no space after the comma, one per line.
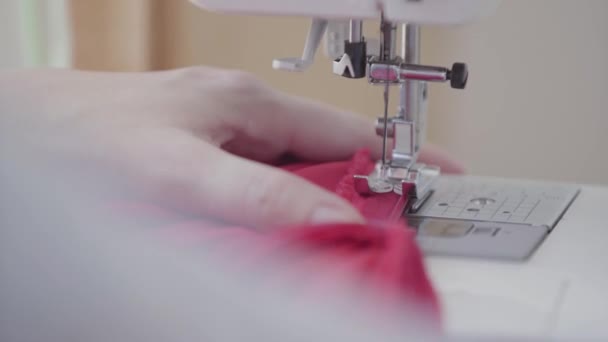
(507,256)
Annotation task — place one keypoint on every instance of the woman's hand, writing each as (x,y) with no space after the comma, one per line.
(198,138)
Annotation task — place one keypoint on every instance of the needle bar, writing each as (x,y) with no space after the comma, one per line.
(385,135)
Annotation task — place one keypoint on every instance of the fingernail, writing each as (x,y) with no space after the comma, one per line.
(333,215)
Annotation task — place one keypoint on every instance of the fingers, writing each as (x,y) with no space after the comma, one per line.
(238,191)
(257,195)
(200,178)
(433,155)
(321,132)
(263,123)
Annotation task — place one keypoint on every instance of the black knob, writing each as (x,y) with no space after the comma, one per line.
(357,53)
(459,76)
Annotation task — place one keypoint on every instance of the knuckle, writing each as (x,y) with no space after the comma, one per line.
(233,81)
(241,82)
(249,95)
(188,80)
(268,196)
(191,74)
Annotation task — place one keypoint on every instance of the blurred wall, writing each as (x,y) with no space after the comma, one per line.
(34,33)
(112,35)
(534,107)
(11,48)
(536,104)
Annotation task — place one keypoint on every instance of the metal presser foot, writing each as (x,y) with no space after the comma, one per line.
(385,179)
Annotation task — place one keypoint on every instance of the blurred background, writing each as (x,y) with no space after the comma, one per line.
(534,107)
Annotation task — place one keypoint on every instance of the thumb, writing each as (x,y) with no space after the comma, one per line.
(239,191)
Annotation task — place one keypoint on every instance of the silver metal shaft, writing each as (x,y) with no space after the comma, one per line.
(410,99)
(389,38)
(410,52)
(356,31)
(385,134)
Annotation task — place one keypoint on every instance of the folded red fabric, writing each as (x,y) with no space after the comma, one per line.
(381,256)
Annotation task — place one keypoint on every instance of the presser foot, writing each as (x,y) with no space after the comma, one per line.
(386,179)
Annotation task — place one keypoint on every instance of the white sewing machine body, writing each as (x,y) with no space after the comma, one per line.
(423,12)
(505,262)
(559,291)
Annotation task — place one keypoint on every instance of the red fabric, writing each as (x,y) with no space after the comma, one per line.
(381,256)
